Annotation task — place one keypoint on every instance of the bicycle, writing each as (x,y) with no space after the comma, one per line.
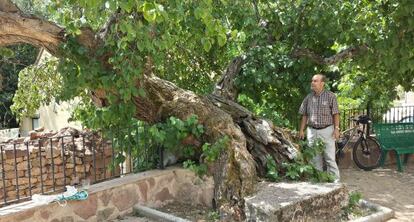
(366,151)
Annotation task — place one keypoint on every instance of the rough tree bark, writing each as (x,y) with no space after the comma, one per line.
(342,55)
(251,139)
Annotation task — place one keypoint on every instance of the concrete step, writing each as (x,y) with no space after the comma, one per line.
(156,214)
(134,219)
(296,202)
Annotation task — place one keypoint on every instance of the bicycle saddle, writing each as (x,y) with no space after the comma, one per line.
(364,119)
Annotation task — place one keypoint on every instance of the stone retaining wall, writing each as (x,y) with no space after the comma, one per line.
(52,159)
(110,199)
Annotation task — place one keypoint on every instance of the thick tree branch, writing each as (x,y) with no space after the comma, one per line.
(8,6)
(18,28)
(236,111)
(225,87)
(342,55)
(106,29)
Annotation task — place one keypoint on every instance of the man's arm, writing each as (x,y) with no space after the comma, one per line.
(304,112)
(335,115)
(302,126)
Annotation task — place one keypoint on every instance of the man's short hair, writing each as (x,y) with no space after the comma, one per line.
(323,77)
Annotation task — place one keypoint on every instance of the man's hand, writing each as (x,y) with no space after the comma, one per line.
(301,135)
(302,126)
(336,134)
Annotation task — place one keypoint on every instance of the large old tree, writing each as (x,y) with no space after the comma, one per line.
(139,58)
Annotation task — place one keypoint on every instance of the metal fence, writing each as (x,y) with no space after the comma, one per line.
(47,165)
(378,115)
(393,114)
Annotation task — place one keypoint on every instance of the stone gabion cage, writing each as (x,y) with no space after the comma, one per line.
(45,162)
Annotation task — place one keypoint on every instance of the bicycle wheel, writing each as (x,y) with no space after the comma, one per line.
(366,153)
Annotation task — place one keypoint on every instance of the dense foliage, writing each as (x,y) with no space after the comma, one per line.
(191,42)
(300,169)
(38,84)
(12,60)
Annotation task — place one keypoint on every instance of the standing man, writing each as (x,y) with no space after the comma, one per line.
(320,114)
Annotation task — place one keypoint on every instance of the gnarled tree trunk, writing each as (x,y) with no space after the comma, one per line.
(251,139)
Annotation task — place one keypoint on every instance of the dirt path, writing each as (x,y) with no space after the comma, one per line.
(385,186)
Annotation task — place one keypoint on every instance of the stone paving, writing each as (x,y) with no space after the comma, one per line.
(385,186)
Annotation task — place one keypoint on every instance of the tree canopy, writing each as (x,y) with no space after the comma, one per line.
(151,60)
(362,46)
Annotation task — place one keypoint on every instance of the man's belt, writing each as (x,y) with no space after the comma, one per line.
(320,127)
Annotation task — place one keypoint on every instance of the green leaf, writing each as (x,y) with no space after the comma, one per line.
(126,5)
(234,33)
(221,39)
(6,52)
(149,11)
(141,92)
(206,44)
(241,36)
(198,13)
